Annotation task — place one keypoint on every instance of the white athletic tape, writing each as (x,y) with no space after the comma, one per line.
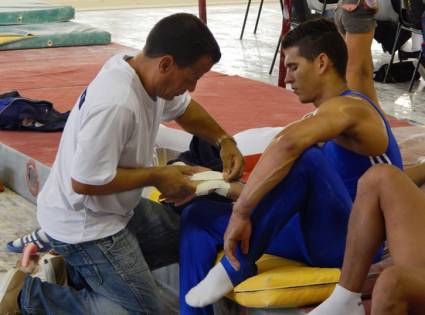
(219,186)
(179,163)
(208,175)
(223,191)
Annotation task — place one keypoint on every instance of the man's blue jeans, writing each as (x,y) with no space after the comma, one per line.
(111,275)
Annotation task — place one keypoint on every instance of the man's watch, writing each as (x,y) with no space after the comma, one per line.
(220,141)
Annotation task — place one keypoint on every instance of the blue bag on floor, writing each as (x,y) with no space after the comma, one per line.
(20,113)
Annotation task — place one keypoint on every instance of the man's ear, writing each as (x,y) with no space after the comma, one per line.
(165,63)
(323,62)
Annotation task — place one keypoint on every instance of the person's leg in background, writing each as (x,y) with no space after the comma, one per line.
(388,205)
(358,28)
(157,229)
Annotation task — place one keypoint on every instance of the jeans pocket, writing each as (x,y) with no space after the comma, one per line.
(124,251)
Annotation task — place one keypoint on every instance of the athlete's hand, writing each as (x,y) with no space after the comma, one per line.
(238,230)
(233,162)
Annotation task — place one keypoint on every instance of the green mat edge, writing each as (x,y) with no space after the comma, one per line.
(57,14)
(60,40)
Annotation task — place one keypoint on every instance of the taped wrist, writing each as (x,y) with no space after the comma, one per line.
(210,181)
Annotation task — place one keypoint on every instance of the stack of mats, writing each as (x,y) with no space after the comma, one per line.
(34,24)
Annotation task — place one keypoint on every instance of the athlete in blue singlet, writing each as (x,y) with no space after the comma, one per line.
(297,201)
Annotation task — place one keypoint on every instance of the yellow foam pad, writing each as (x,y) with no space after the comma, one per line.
(6,38)
(282,282)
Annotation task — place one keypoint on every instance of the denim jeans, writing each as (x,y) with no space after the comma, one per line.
(111,275)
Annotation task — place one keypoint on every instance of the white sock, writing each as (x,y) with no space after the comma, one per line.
(214,286)
(341,302)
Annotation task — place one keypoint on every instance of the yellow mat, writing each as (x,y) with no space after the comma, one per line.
(8,38)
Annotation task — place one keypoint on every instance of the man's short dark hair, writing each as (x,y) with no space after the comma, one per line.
(183,36)
(319,36)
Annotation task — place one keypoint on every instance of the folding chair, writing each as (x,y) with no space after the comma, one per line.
(404,24)
(258,16)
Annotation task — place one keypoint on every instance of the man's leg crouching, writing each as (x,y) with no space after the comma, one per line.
(114,279)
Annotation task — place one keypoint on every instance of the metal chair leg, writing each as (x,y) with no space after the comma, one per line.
(258,16)
(412,80)
(244,21)
(275,54)
(393,52)
(324,8)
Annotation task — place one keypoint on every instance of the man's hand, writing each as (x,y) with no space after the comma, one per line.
(233,162)
(238,230)
(173,183)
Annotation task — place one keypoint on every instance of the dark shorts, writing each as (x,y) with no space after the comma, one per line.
(360,20)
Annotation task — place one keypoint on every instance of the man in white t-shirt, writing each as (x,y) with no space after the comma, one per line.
(91,206)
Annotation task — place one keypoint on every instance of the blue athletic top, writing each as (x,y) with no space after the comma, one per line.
(351,165)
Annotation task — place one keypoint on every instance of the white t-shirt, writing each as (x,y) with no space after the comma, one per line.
(114,124)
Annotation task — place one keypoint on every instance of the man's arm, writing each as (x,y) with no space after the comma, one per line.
(169,180)
(197,121)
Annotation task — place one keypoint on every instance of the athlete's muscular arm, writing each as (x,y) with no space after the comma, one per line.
(331,120)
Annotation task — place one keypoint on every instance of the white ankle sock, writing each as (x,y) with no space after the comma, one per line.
(341,302)
(214,286)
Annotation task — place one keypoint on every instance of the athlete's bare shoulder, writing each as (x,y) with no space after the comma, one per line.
(351,105)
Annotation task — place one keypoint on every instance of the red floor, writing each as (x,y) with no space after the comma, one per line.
(61,74)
